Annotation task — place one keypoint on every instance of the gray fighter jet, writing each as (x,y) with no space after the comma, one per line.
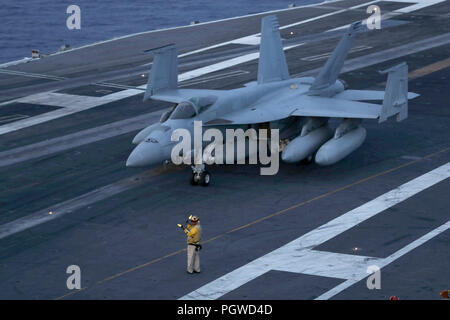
(299,107)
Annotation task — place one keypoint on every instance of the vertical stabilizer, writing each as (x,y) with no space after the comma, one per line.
(272,62)
(396,95)
(330,71)
(164,72)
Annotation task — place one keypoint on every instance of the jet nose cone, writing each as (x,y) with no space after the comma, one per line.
(145,154)
(132,160)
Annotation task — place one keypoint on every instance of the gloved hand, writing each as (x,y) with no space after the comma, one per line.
(181,226)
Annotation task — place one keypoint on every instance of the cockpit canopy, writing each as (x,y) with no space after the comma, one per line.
(203,103)
(190,108)
(184,110)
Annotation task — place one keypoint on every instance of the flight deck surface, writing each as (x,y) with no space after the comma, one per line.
(66,126)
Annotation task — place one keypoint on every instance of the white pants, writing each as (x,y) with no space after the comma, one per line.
(193,259)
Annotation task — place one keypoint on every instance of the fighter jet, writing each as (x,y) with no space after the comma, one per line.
(299,107)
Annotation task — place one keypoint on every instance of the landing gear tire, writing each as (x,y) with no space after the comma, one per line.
(205,178)
(194,179)
(200,176)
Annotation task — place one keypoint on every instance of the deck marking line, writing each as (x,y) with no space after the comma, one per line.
(298,251)
(280,212)
(76,139)
(68,206)
(384,262)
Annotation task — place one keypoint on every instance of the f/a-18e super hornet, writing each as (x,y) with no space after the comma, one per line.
(299,107)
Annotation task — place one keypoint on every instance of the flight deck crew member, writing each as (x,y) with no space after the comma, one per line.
(194,234)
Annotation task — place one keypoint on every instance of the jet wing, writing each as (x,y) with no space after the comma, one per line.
(256,114)
(310,106)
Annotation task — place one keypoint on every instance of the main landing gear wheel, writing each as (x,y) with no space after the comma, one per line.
(205,178)
(200,176)
(194,179)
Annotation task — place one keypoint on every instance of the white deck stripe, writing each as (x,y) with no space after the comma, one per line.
(384,262)
(13,117)
(32,75)
(63,208)
(254,39)
(298,255)
(80,138)
(221,76)
(418,5)
(70,104)
(323,56)
(66,207)
(321,263)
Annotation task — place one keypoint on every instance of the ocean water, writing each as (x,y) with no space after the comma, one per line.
(41,24)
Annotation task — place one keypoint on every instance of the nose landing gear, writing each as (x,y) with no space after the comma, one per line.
(200,176)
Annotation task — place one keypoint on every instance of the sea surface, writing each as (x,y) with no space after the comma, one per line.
(41,24)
